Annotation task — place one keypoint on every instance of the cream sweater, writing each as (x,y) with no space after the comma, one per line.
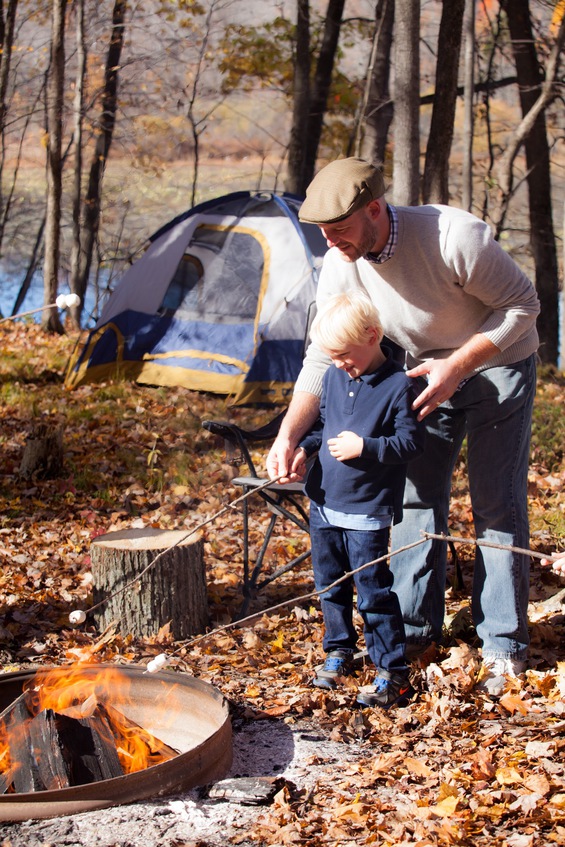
(447,280)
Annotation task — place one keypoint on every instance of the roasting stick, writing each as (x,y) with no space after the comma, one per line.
(162,659)
(63,301)
(79,615)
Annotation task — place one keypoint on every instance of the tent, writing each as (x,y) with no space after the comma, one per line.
(220,302)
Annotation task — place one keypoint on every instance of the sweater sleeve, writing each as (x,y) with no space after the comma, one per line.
(487,272)
(312,441)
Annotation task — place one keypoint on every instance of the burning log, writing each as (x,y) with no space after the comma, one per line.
(173,590)
(182,711)
(23,764)
(71,751)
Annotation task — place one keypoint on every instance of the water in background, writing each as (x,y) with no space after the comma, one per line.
(10,284)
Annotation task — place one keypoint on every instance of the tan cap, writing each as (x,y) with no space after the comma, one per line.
(339,189)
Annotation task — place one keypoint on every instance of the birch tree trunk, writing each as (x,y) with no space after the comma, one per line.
(469,104)
(406,126)
(55,85)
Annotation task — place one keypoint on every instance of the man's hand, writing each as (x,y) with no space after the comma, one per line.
(282,460)
(445,375)
(346,446)
(442,384)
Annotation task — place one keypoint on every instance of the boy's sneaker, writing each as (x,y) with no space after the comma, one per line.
(338,663)
(389,689)
(495,673)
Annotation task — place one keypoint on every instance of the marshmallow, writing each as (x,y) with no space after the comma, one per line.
(78,616)
(65,301)
(157,663)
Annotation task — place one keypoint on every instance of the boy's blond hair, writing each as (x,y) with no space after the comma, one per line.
(346,319)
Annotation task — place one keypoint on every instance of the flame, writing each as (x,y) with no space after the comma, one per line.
(81,692)
(72,691)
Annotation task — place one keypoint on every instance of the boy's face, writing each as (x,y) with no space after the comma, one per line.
(356,359)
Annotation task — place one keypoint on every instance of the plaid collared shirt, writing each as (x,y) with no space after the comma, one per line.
(388,250)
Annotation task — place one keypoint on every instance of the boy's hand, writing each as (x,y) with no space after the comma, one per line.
(347,445)
(557,564)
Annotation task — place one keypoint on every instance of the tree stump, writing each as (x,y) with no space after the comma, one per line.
(172,590)
(43,452)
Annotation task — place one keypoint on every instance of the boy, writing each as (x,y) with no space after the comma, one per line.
(365,435)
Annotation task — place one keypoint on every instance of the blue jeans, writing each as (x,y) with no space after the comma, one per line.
(336,552)
(494,410)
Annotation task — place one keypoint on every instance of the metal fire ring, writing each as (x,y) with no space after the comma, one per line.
(186,713)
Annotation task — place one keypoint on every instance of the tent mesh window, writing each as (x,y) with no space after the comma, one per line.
(219,277)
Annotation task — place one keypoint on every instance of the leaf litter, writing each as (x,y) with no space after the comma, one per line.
(452,768)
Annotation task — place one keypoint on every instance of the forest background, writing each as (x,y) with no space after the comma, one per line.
(118,115)
(200,101)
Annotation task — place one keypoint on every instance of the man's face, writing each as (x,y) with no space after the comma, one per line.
(354,236)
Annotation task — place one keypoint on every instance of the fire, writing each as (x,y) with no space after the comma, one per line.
(74,692)
(84,693)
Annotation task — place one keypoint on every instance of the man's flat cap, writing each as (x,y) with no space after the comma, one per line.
(339,189)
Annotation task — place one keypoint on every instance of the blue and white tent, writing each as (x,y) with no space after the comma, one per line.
(219,302)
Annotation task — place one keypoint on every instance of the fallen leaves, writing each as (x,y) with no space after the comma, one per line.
(451,769)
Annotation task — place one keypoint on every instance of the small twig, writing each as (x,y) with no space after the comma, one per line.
(182,539)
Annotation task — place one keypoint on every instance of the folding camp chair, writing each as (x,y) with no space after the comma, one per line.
(282,500)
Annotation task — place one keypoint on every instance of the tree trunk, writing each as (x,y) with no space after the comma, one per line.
(321,85)
(92,201)
(304,165)
(7,28)
(435,185)
(406,156)
(173,589)
(542,236)
(51,321)
(469,104)
(377,115)
(78,107)
(301,101)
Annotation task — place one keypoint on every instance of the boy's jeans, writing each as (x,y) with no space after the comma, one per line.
(493,409)
(337,551)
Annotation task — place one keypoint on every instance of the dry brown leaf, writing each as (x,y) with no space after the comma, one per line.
(508,776)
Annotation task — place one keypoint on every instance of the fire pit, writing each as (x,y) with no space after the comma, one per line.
(184,713)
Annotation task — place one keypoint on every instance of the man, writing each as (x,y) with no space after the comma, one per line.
(465,314)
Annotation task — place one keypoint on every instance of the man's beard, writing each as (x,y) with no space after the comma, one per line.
(366,242)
